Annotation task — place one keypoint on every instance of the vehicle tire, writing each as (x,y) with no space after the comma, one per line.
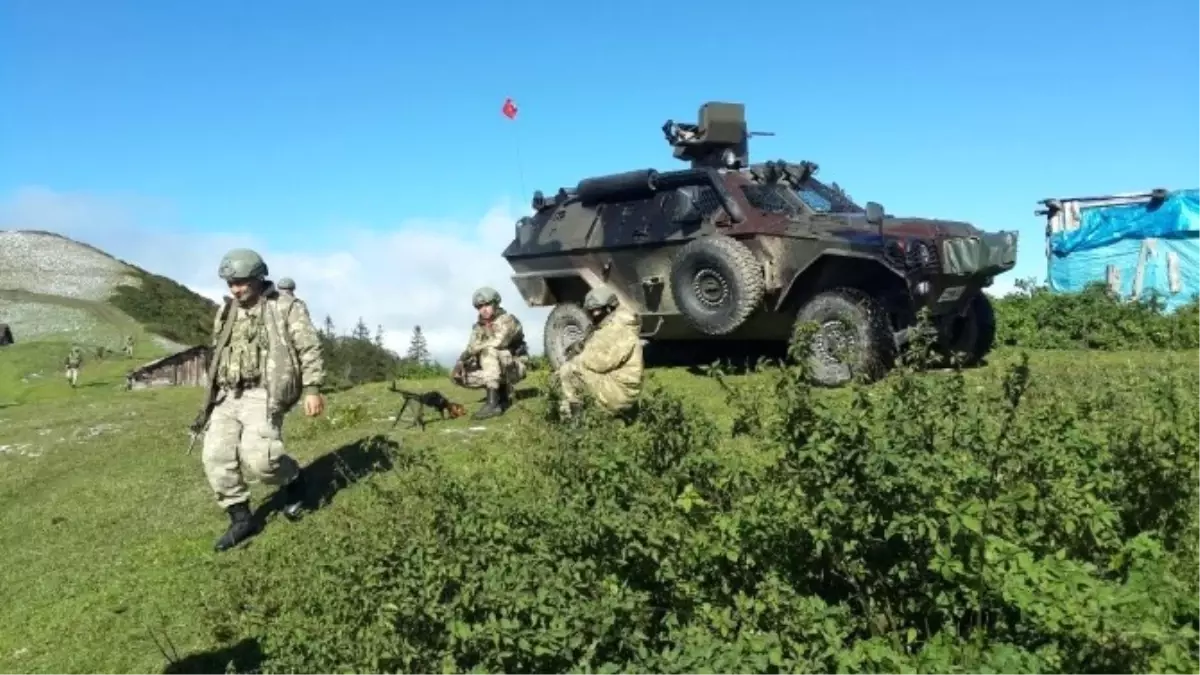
(716,283)
(974,334)
(565,325)
(871,348)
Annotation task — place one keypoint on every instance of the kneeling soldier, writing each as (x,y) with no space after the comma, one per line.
(609,365)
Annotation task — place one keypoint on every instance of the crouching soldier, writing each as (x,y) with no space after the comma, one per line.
(496,354)
(609,365)
(266,357)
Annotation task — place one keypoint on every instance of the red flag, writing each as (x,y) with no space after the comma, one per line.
(510,109)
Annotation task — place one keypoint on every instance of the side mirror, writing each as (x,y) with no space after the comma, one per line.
(874,213)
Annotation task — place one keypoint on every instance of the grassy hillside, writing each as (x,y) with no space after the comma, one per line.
(54,288)
(1017,524)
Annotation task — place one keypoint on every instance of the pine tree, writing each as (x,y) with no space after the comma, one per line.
(418,348)
(329,327)
(361,332)
(379,336)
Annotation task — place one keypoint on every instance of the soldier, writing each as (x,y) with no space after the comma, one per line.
(129,346)
(74,361)
(496,354)
(287,287)
(609,365)
(266,357)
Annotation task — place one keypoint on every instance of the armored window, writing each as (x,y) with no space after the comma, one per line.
(770,198)
(824,199)
(814,200)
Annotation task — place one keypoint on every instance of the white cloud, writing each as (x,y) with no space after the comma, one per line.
(420,273)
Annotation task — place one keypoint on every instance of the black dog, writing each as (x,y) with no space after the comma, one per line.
(432,399)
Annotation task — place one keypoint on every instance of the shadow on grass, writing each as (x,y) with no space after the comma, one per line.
(526,393)
(334,471)
(243,657)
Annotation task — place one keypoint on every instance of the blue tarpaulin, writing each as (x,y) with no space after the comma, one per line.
(1152,248)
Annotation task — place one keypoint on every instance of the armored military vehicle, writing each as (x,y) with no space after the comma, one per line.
(731,251)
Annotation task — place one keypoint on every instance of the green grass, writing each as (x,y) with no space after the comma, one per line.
(91,323)
(107,525)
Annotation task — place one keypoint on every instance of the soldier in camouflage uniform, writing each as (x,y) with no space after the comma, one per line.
(73,362)
(496,354)
(129,346)
(267,356)
(286,286)
(609,365)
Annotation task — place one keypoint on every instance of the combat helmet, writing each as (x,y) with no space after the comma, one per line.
(600,297)
(485,296)
(286,284)
(242,263)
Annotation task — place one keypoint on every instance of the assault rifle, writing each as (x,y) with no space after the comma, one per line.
(210,400)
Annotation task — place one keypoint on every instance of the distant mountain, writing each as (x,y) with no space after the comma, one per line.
(53,288)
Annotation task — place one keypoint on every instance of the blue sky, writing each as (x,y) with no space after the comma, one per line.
(294,122)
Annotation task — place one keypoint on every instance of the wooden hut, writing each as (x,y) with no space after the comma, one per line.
(187,368)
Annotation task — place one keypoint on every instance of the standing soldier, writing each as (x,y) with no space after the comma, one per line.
(609,365)
(287,287)
(74,361)
(495,355)
(266,358)
(129,346)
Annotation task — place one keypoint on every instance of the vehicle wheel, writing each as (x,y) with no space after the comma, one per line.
(974,334)
(716,283)
(564,327)
(853,337)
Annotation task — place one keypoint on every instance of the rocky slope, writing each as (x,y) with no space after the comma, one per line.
(53,288)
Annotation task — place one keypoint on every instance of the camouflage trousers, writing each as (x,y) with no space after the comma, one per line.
(243,439)
(73,375)
(574,380)
(496,367)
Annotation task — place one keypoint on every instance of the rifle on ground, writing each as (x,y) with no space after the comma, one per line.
(432,399)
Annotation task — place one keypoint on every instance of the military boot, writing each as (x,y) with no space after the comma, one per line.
(491,408)
(293,498)
(241,527)
(506,397)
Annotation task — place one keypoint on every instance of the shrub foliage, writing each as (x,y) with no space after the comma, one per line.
(167,308)
(925,523)
(1035,318)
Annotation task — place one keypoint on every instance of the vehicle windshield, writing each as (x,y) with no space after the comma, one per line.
(825,199)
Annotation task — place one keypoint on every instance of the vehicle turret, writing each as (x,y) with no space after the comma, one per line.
(718,140)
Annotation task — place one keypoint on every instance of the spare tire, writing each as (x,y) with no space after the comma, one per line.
(716,283)
(565,326)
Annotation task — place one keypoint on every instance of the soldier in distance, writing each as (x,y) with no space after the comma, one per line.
(128,346)
(496,354)
(286,286)
(73,362)
(252,383)
(609,365)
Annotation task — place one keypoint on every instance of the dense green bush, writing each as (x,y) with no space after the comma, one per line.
(167,308)
(1035,318)
(1031,523)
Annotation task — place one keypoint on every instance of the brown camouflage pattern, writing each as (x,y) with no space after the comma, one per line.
(567,248)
